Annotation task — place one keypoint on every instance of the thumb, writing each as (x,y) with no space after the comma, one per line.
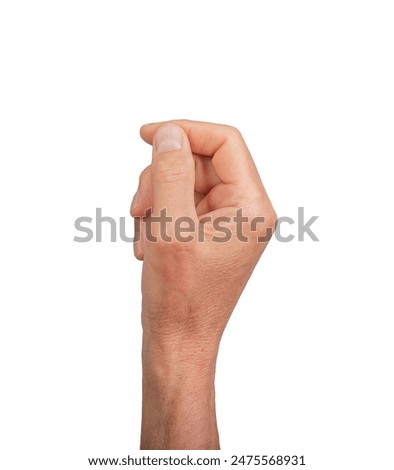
(173,173)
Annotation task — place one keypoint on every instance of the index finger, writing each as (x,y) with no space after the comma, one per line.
(230,156)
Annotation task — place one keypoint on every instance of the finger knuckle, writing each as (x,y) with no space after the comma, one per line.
(145,173)
(262,224)
(234,132)
(170,171)
(271,218)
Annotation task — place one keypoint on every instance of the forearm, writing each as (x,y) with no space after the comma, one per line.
(178,406)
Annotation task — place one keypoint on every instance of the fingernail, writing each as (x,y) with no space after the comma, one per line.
(135,201)
(168,138)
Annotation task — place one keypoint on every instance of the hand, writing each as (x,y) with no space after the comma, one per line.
(196,262)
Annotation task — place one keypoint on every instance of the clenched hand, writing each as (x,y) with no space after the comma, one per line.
(204,220)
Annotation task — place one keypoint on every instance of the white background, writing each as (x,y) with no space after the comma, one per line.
(305,365)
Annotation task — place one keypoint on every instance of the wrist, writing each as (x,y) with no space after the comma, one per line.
(179,392)
(178,357)
(181,326)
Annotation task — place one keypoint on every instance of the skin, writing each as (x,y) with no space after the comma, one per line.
(189,289)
